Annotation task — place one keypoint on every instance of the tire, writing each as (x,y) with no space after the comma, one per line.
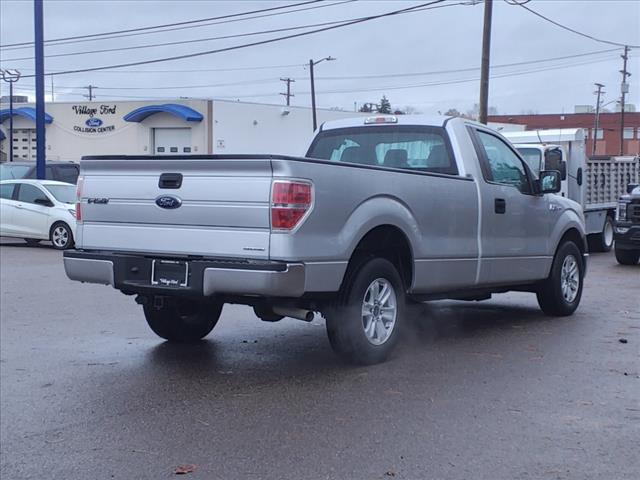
(603,241)
(61,236)
(32,242)
(367,338)
(183,321)
(627,257)
(560,294)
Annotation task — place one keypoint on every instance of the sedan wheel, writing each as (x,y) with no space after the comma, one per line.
(61,236)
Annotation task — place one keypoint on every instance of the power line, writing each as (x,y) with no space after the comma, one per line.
(557,24)
(154,27)
(469,69)
(360,77)
(185,42)
(391,87)
(246,45)
(197,70)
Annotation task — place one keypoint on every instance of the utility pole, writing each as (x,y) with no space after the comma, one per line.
(484,67)
(288,94)
(91,95)
(595,128)
(10,76)
(41,142)
(624,89)
(53,99)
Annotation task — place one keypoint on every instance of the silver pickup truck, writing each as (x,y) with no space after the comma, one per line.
(382,211)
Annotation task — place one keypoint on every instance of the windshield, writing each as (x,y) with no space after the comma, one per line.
(533,157)
(63,193)
(403,146)
(10,172)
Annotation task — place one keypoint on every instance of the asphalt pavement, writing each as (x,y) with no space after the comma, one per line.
(490,390)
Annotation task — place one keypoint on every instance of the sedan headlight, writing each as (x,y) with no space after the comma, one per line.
(72,211)
(621,212)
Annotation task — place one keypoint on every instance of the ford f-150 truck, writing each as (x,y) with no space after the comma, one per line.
(380,212)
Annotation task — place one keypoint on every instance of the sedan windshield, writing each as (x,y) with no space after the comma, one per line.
(11,172)
(63,193)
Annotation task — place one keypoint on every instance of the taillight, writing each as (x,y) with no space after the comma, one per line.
(79,199)
(290,201)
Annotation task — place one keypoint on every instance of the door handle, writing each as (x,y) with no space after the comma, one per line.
(19,206)
(500,205)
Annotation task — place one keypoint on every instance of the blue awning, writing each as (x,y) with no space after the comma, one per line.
(26,112)
(181,111)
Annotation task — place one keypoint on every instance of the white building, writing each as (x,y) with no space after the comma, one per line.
(161,128)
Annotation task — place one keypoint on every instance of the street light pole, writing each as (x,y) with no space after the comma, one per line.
(10,76)
(313,88)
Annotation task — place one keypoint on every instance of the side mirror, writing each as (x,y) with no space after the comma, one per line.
(563,170)
(553,160)
(45,202)
(549,181)
(631,187)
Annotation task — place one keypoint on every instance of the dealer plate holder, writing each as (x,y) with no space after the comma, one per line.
(169,282)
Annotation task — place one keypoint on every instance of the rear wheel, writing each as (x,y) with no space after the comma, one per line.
(61,236)
(603,241)
(364,325)
(183,320)
(627,257)
(560,294)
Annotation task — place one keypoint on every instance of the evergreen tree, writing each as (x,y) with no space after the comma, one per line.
(385,105)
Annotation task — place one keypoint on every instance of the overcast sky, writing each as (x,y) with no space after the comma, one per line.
(426,42)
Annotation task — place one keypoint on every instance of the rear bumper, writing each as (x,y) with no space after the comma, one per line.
(131,273)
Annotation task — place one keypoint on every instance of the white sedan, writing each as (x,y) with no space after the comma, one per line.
(38,210)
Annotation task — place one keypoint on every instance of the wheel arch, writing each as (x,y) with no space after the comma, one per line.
(386,241)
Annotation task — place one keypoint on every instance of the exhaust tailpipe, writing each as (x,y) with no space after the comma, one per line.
(299,313)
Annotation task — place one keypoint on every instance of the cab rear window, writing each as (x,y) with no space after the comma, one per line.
(405,147)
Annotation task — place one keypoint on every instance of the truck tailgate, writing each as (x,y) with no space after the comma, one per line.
(223,211)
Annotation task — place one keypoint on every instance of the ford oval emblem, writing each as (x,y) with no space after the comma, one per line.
(168,202)
(93,122)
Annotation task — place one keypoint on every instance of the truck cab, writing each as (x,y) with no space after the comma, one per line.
(627,229)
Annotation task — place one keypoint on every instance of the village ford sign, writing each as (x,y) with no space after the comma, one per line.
(168,201)
(94,124)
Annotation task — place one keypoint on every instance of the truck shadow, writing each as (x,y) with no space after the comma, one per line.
(302,349)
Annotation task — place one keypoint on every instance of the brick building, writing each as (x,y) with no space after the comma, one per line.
(608,134)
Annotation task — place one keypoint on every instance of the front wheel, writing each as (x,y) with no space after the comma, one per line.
(560,294)
(61,236)
(183,320)
(627,257)
(364,325)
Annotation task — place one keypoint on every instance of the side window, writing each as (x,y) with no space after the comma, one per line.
(502,165)
(29,193)
(67,173)
(6,191)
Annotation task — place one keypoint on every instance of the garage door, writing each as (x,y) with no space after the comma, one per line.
(24,144)
(171,141)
